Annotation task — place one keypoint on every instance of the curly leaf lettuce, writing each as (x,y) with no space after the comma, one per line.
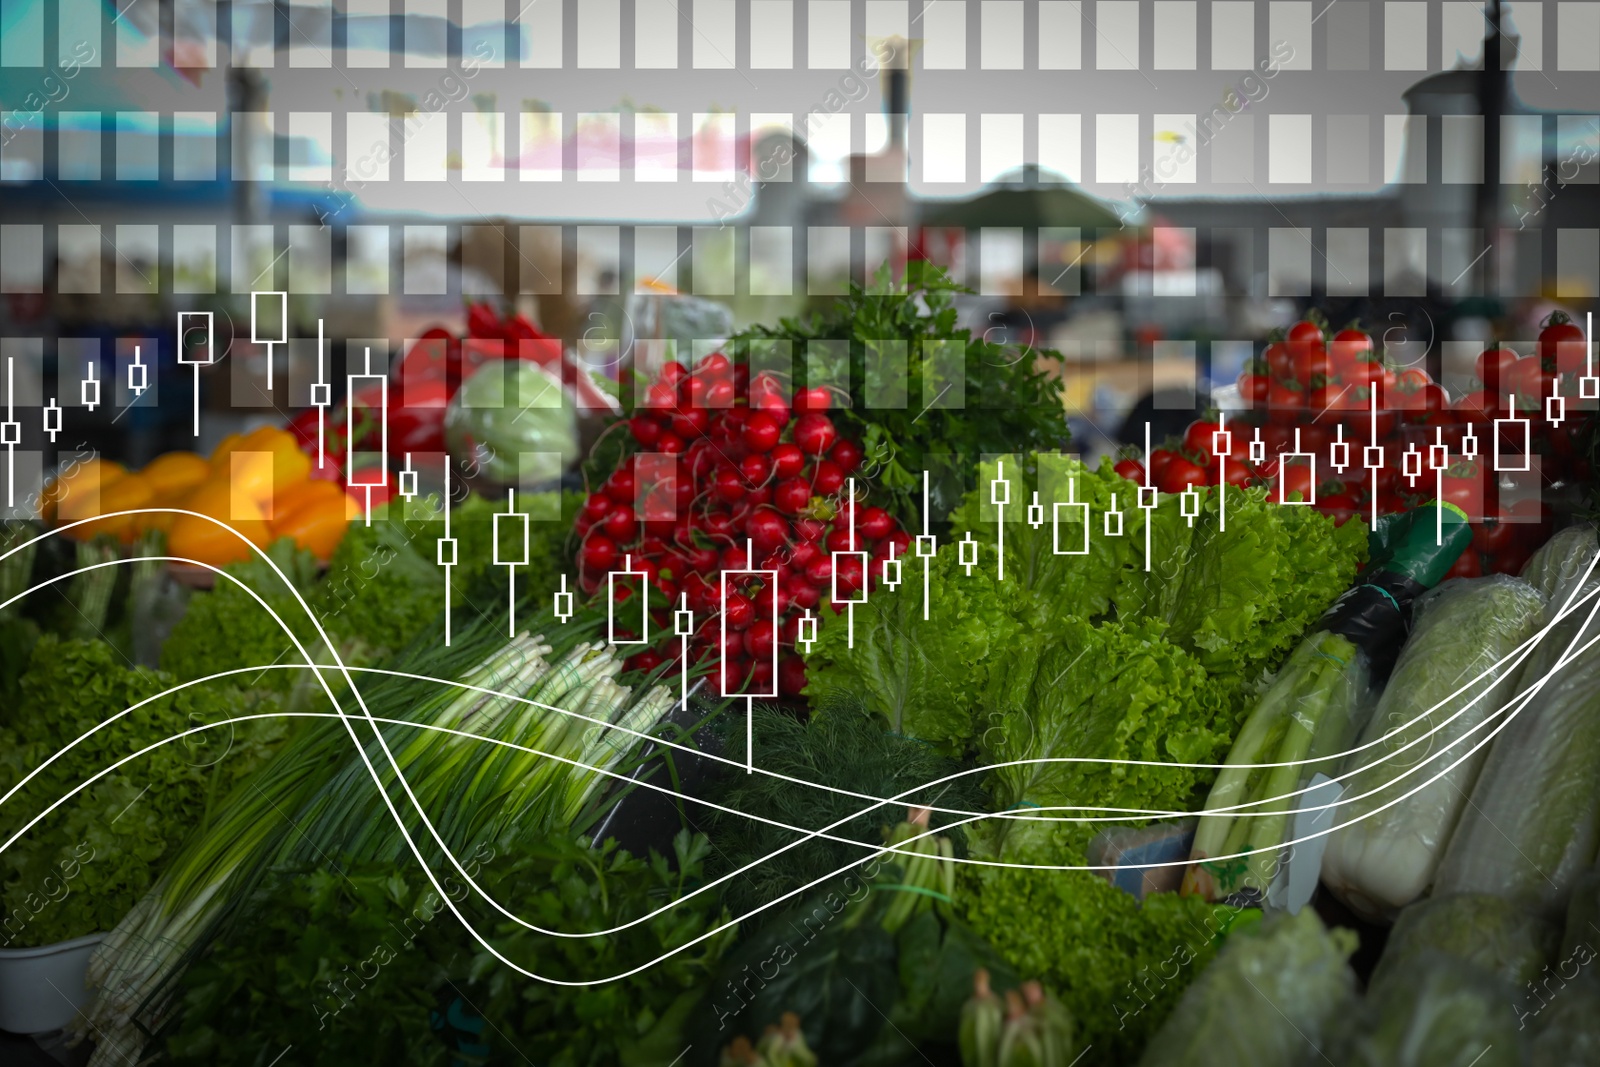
(1108,693)
(926,678)
(1039,557)
(1240,584)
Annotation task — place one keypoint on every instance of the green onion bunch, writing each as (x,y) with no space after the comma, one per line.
(482,757)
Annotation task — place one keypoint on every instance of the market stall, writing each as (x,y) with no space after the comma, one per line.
(827,724)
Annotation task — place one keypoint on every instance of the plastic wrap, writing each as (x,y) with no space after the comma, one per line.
(1533,825)
(1483,931)
(1293,963)
(1388,848)
(513,423)
(1561,561)
(1583,916)
(1435,1011)
(1567,1029)
(1308,714)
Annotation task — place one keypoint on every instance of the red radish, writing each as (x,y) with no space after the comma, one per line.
(645,430)
(827,478)
(814,433)
(788,460)
(766,529)
(691,423)
(791,675)
(792,496)
(755,468)
(760,639)
(761,432)
(599,553)
(620,523)
(620,486)
(847,454)
(729,485)
(741,612)
(874,523)
(814,399)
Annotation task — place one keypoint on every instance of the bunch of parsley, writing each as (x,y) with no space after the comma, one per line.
(924,394)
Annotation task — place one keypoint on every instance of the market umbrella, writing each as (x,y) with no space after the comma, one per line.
(1026,198)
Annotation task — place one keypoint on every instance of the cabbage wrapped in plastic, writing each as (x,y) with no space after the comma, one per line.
(1533,826)
(1479,930)
(1435,1011)
(1454,674)
(1562,561)
(1583,914)
(1567,1029)
(514,424)
(1294,964)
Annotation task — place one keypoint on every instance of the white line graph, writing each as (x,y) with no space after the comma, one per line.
(1521,701)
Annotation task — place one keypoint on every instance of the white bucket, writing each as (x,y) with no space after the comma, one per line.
(41,989)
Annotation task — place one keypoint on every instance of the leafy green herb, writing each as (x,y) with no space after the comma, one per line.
(1107,692)
(363,956)
(934,392)
(843,746)
(80,869)
(1118,965)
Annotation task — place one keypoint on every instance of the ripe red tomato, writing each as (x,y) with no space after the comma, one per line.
(1303,337)
(1492,364)
(1411,379)
(1180,474)
(1279,360)
(1467,565)
(1340,507)
(1197,438)
(1286,402)
(1561,344)
(1312,366)
(1365,371)
(1463,486)
(1476,407)
(1347,346)
(1159,458)
(1253,388)
(1295,478)
(1495,534)
(1325,398)
(1240,475)
(1130,469)
(1530,381)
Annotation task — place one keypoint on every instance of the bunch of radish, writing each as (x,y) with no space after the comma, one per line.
(731,474)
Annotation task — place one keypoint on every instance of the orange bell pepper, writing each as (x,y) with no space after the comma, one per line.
(76,493)
(316,526)
(128,492)
(203,541)
(174,473)
(296,496)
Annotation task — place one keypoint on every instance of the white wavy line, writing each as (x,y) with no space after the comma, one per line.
(492,951)
(1519,653)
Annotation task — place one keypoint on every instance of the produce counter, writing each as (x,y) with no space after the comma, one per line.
(816,731)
